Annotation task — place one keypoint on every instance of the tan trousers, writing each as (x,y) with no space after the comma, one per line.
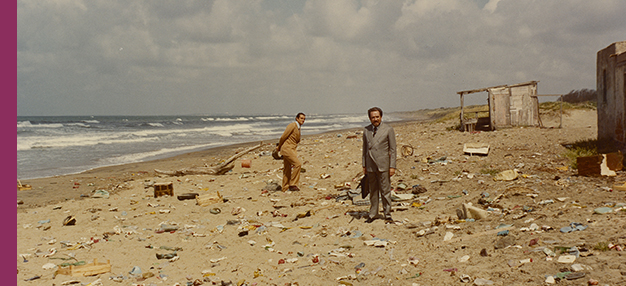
(291,171)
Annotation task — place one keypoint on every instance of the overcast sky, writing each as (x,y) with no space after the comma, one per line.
(106,57)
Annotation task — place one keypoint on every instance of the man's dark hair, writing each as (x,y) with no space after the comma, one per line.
(369,111)
(298,115)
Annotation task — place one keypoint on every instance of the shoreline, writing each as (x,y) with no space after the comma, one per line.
(78,186)
(400,116)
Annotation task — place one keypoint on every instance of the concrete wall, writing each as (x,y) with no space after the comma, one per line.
(611,93)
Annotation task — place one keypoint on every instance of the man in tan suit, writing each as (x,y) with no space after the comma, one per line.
(379,162)
(287,147)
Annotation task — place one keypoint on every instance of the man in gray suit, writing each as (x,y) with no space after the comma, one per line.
(379,162)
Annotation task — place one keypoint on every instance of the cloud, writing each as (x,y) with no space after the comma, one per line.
(491,5)
(323,56)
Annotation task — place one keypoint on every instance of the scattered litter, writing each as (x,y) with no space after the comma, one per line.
(481,281)
(476,148)
(70,220)
(49,266)
(567,258)
(574,226)
(508,175)
(102,194)
(603,210)
(376,243)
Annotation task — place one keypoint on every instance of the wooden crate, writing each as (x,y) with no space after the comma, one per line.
(209,199)
(162,189)
(94,268)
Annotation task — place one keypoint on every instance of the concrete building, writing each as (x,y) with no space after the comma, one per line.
(611,93)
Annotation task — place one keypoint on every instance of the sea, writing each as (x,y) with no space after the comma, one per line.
(59,145)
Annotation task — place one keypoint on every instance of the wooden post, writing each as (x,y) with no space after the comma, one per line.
(561,120)
(463,125)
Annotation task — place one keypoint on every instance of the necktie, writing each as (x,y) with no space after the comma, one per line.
(375,129)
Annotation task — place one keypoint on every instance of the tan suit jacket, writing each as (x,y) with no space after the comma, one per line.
(289,141)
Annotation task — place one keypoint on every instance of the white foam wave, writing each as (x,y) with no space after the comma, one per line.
(28,124)
(351,119)
(234,119)
(78,124)
(94,138)
(271,117)
(129,158)
(38,142)
(155,124)
(91,121)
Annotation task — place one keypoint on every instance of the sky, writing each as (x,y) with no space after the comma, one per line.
(109,57)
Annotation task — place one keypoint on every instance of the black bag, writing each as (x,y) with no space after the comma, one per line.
(276,155)
(365,190)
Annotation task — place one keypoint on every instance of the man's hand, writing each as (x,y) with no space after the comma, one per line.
(392,172)
(364,170)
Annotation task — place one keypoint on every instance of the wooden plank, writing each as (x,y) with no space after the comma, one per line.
(589,166)
(488,232)
(94,268)
(481,89)
(614,161)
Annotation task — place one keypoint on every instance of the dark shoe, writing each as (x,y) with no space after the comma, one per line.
(388,220)
(370,220)
(294,189)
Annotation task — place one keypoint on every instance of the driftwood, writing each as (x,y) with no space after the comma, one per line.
(216,170)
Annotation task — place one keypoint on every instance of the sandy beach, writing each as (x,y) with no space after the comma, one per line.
(318,237)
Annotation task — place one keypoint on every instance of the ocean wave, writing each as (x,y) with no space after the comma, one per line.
(137,157)
(155,124)
(91,121)
(272,117)
(28,124)
(351,119)
(223,119)
(77,140)
(136,137)
(78,124)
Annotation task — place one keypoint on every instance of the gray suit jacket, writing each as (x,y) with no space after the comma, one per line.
(379,152)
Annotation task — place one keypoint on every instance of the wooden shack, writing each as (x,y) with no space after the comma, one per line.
(611,93)
(509,105)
